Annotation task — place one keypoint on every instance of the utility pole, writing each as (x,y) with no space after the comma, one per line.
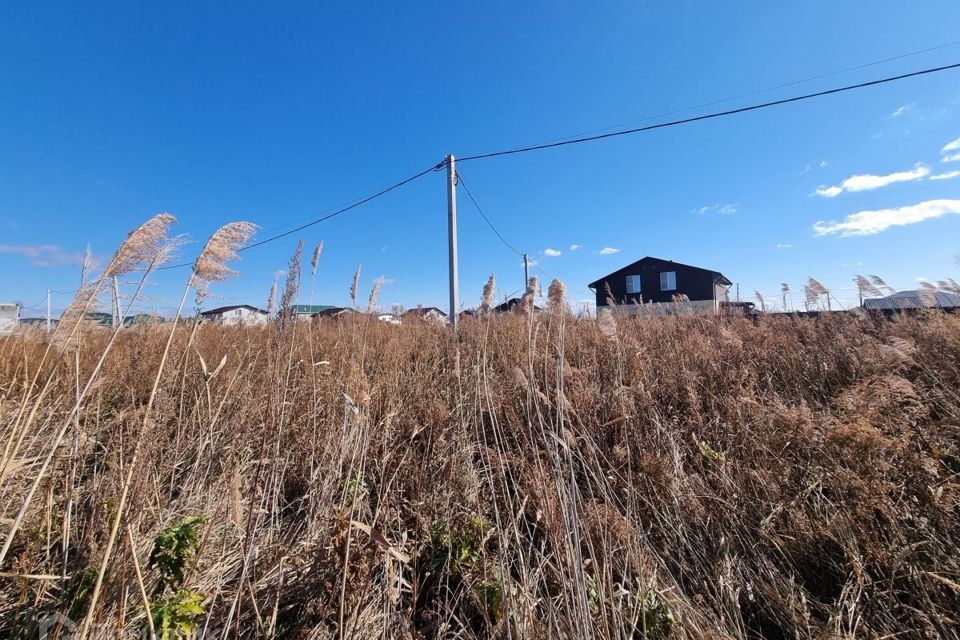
(48,310)
(738,292)
(116,303)
(452,231)
(526,271)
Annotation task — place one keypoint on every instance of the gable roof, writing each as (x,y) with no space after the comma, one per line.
(423,311)
(228,308)
(311,308)
(914,299)
(718,278)
(333,312)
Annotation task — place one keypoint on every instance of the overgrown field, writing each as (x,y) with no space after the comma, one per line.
(541,476)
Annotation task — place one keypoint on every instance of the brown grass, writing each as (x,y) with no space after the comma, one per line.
(541,476)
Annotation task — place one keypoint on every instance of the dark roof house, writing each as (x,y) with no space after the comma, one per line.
(511,305)
(333,312)
(425,313)
(914,299)
(655,280)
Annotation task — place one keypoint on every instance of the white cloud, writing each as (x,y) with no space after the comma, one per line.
(784,245)
(868,182)
(899,111)
(823,164)
(949,175)
(951,151)
(574,247)
(45,255)
(608,250)
(553,253)
(530,262)
(865,223)
(724,209)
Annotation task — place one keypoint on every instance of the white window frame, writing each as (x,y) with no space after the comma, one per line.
(671,281)
(633,285)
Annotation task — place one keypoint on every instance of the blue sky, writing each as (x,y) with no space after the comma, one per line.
(111,112)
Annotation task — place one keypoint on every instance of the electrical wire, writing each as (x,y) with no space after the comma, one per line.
(710,116)
(761,91)
(483,215)
(334,214)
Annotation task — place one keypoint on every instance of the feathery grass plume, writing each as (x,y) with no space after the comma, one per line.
(291,288)
(950,285)
(142,246)
(557,296)
(880,284)
(608,294)
(87,265)
(486,300)
(355,285)
(865,288)
(316,259)
(607,324)
(760,299)
(784,291)
(211,264)
(145,247)
(530,295)
(812,292)
(374,294)
(272,297)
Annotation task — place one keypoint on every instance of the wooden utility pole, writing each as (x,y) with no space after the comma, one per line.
(526,271)
(452,232)
(116,303)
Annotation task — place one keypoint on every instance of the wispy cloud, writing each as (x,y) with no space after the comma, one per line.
(608,250)
(949,175)
(723,209)
(784,245)
(868,182)
(951,151)
(823,164)
(574,247)
(866,223)
(553,253)
(899,111)
(45,255)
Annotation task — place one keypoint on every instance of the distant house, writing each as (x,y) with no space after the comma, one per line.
(914,299)
(389,318)
(236,314)
(511,305)
(309,310)
(334,312)
(668,285)
(9,317)
(426,313)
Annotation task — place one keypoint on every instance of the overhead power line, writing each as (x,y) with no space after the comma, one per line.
(710,116)
(334,214)
(483,215)
(748,94)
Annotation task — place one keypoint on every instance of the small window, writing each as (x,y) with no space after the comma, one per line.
(633,284)
(238,312)
(668,281)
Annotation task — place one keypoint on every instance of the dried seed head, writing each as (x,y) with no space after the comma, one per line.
(760,299)
(374,294)
(530,295)
(144,246)
(784,287)
(291,288)
(866,288)
(880,284)
(316,259)
(556,296)
(211,264)
(486,301)
(272,298)
(355,286)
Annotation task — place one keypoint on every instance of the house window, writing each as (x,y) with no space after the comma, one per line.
(238,312)
(633,284)
(668,281)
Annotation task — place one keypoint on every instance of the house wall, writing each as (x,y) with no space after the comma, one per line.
(9,318)
(696,284)
(246,316)
(689,307)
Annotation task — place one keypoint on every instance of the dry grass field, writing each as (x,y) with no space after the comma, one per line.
(533,476)
(542,476)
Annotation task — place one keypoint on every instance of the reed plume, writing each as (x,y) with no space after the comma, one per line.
(880,284)
(529,296)
(272,296)
(374,294)
(211,264)
(761,300)
(291,288)
(355,286)
(486,300)
(316,259)
(865,288)
(556,296)
(784,291)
